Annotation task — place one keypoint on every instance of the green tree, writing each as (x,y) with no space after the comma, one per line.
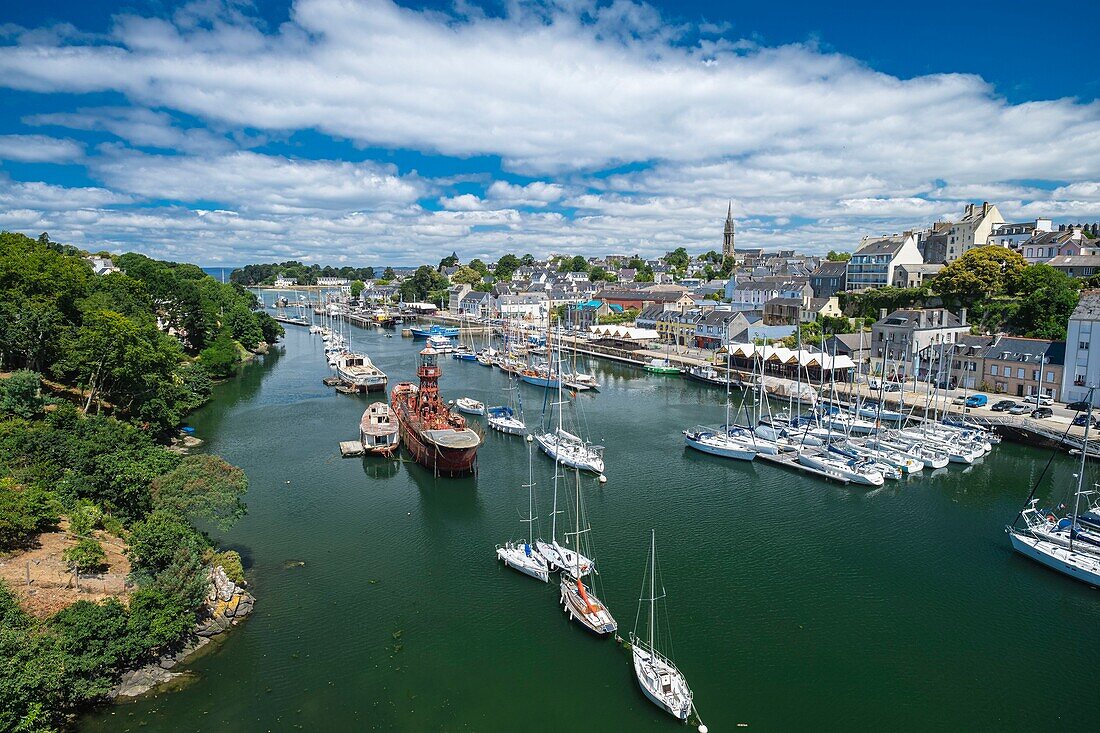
(480,267)
(389,275)
(678,258)
(980,273)
(450,260)
(357,287)
(243,326)
(466,275)
(220,358)
(834,256)
(505,266)
(599,274)
(86,556)
(1047,298)
(574,264)
(203,487)
(422,283)
(21,394)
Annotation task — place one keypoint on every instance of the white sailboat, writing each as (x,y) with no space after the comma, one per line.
(565,447)
(577,600)
(1066,557)
(508,419)
(657,675)
(521,555)
(558,556)
(726,442)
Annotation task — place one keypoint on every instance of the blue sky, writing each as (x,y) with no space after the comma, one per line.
(366,132)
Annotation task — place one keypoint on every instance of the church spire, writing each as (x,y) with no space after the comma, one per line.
(729,233)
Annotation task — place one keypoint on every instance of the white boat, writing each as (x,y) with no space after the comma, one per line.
(557,555)
(359,372)
(504,419)
(853,470)
(657,675)
(378,431)
(719,443)
(1078,565)
(521,555)
(571,451)
(581,602)
(470,406)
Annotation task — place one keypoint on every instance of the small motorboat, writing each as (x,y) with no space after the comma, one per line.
(470,406)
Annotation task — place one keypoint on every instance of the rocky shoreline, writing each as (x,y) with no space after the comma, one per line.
(226,605)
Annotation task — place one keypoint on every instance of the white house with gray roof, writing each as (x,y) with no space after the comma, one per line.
(874,261)
(1082,341)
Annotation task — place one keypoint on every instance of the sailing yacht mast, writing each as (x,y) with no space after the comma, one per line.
(652,585)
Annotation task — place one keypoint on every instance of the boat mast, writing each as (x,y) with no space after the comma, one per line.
(1081,473)
(652,585)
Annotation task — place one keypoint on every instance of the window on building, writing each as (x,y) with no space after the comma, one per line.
(1050,376)
(993,369)
(1083,346)
(1019,373)
(1035,374)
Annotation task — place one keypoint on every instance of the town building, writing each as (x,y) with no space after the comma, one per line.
(676,327)
(476,304)
(1081,371)
(1062,242)
(1077,265)
(1022,367)
(715,328)
(333,282)
(1013,235)
(787,311)
(639,298)
(973,229)
(873,263)
(896,338)
(530,305)
(932,242)
(913,276)
(829,279)
(582,316)
(455,295)
(285,282)
(102,265)
(753,294)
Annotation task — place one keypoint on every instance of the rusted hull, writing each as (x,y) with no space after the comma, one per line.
(437,459)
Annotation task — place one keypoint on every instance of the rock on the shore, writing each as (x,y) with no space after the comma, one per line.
(227,603)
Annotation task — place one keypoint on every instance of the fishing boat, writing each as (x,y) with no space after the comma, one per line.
(378,431)
(661,366)
(359,372)
(705,374)
(434,330)
(521,555)
(437,438)
(540,377)
(580,602)
(441,344)
(470,406)
(657,675)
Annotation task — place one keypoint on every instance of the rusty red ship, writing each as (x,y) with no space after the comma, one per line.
(437,438)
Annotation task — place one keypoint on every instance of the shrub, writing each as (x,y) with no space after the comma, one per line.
(21,394)
(86,556)
(230,561)
(221,357)
(24,513)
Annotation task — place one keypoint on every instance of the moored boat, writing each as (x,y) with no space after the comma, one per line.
(359,372)
(470,406)
(378,431)
(661,366)
(437,438)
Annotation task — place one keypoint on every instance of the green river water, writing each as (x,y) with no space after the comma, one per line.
(794,603)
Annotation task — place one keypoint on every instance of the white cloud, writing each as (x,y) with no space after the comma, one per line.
(39,149)
(260,182)
(139,127)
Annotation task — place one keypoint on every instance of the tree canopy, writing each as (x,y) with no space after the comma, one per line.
(979,273)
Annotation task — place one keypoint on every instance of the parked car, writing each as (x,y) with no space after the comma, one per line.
(1020,409)
(1044,399)
(977,400)
(1002,405)
(1082,420)
(1042,412)
(1079,406)
(886,385)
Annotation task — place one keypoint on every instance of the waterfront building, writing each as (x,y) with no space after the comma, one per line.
(333,282)
(476,304)
(584,315)
(1022,367)
(1082,341)
(873,263)
(639,298)
(455,296)
(678,327)
(712,331)
(829,279)
(973,229)
(786,311)
(754,293)
(285,282)
(897,337)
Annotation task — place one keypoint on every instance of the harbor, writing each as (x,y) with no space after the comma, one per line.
(853,595)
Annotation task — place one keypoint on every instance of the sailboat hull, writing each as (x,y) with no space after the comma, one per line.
(533,565)
(714,445)
(1081,567)
(590,614)
(662,683)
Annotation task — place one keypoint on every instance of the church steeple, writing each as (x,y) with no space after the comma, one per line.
(729,234)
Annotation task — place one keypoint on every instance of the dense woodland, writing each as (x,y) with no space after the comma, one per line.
(99,372)
(265,274)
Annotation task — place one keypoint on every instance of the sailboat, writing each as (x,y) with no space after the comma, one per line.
(577,600)
(521,555)
(565,447)
(557,556)
(1066,557)
(508,418)
(728,441)
(657,675)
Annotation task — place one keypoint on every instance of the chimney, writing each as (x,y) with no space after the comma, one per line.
(962,316)
(920,318)
(985,208)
